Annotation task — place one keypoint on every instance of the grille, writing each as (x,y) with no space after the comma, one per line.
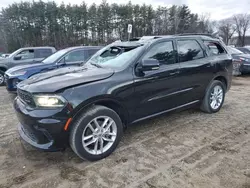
(26,97)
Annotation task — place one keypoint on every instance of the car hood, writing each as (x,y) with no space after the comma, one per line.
(4,60)
(26,67)
(242,55)
(58,79)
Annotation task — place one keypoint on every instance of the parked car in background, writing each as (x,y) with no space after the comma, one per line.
(23,56)
(67,57)
(124,83)
(244,50)
(241,61)
(2,56)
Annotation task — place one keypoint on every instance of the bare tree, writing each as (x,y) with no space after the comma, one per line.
(226,29)
(242,23)
(205,25)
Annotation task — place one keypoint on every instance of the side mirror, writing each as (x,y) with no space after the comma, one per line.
(149,65)
(18,57)
(61,62)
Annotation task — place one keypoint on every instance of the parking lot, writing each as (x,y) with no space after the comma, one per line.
(183,149)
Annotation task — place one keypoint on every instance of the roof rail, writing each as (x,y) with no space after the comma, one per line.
(202,34)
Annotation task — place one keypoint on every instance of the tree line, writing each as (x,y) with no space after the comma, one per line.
(48,23)
(237,25)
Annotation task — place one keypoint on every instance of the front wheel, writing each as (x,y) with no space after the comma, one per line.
(1,78)
(96,134)
(214,97)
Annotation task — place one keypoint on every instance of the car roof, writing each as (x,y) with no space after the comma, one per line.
(84,47)
(37,47)
(151,39)
(201,36)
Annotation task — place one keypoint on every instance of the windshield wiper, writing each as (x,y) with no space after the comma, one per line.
(97,65)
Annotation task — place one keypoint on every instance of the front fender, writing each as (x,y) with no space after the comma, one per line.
(98,100)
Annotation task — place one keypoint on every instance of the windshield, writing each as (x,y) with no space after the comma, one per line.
(12,54)
(234,50)
(115,56)
(55,56)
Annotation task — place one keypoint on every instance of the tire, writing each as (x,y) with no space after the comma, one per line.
(1,78)
(81,127)
(207,105)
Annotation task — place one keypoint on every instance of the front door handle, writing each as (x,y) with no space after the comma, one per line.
(173,73)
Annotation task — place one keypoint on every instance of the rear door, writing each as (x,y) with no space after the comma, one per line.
(157,90)
(196,69)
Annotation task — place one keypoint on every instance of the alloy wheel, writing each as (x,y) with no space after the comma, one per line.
(1,79)
(99,135)
(216,97)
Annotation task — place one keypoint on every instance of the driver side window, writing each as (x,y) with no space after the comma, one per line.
(163,52)
(24,55)
(75,56)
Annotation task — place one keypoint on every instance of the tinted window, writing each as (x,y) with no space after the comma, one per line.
(43,53)
(75,56)
(189,50)
(92,52)
(163,52)
(214,48)
(25,54)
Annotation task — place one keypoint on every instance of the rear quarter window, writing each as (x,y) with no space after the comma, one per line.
(214,48)
(43,53)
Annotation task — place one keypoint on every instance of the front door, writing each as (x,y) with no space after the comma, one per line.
(76,57)
(157,90)
(22,58)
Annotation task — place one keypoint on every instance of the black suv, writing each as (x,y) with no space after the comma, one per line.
(123,83)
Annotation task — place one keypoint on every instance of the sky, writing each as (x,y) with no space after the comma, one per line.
(217,10)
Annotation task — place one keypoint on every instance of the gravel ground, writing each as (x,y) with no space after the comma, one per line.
(183,149)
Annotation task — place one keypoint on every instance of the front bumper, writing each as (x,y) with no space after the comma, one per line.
(11,83)
(42,128)
(245,68)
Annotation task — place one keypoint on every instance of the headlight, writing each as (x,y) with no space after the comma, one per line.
(18,73)
(49,100)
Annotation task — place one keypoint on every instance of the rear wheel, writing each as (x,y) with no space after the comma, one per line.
(96,134)
(1,78)
(214,97)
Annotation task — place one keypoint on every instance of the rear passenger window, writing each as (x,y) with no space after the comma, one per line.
(214,48)
(91,52)
(42,53)
(189,50)
(163,52)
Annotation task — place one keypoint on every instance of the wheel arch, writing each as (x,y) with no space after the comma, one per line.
(111,103)
(3,69)
(222,79)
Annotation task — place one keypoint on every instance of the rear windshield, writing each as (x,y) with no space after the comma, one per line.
(115,56)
